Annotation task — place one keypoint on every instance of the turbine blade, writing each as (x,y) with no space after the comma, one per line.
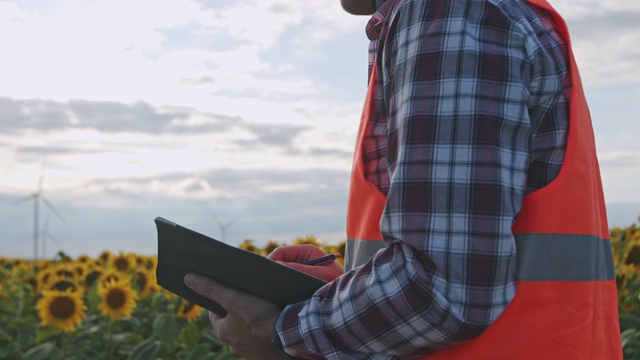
(51,207)
(41,179)
(23,200)
(46,223)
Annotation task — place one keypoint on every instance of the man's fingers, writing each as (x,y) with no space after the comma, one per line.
(296,253)
(228,298)
(210,289)
(200,284)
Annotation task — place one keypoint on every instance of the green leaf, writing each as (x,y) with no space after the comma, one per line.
(200,352)
(189,335)
(214,342)
(148,349)
(127,337)
(227,356)
(627,336)
(44,351)
(45,333)
(166,328)
(629,321)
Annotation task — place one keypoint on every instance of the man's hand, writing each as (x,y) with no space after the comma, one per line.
(293,256)
(248,326)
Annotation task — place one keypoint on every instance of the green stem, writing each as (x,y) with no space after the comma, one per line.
(109,340)
(63,344)
(20,304)
(19,308)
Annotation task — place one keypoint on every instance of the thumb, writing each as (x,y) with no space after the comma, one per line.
(208,288)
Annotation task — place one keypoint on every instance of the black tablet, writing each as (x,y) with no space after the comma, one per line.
(181,250)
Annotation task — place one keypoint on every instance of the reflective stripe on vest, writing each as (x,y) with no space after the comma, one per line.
(358,251)
(540,257)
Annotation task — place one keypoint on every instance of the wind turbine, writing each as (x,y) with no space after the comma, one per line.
(223,228)
(46,235)
(37,197)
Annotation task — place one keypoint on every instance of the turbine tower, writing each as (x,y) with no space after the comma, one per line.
(37,197)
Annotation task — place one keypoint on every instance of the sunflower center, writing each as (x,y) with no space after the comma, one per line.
(62,307)
(121,264)
(187,308)
(63,285)
(633,257)
(91,277)
(64,273)
(141,281)
(116,299)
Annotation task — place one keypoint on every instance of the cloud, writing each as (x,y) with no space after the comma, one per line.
(212,184)
(273,204)
(122,155)
(204,80)
(195,35)
(620,160)
(605,35)
(281,136)
(106,116)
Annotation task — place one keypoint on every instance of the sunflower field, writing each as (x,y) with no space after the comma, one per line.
(107,307)
(626,256)
(110,307)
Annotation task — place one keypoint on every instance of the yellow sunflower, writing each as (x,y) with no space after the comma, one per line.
(84,259)
(42,264)
(62,283)
(270,247)
(91,276)
(63,310)
(188,310)
(118,300)
(123,262)
(104,257)
(631,260)
(143,281)
(64,269)
(80,269)
(112,274)
(248,245)
(140,259)
(17,261)
(44,276)
(22,268)
(309,239)
(151,263)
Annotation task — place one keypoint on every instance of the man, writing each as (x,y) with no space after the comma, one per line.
(476,222)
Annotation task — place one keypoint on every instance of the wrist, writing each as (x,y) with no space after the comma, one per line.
(277,343)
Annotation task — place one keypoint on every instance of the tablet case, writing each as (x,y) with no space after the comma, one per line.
(182,250)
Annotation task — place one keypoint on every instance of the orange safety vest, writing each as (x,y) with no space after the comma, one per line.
(565,306)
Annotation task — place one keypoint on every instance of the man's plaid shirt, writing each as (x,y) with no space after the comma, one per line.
(473,100)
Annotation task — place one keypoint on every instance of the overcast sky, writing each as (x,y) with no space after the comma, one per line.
(236,115)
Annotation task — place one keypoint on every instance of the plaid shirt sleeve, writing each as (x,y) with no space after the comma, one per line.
(474,100)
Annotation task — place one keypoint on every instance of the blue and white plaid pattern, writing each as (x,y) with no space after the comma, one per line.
(473,100)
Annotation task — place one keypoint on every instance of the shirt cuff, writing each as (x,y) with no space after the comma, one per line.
(287,330)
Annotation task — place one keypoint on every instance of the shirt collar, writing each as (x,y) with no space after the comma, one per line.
(374,26)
